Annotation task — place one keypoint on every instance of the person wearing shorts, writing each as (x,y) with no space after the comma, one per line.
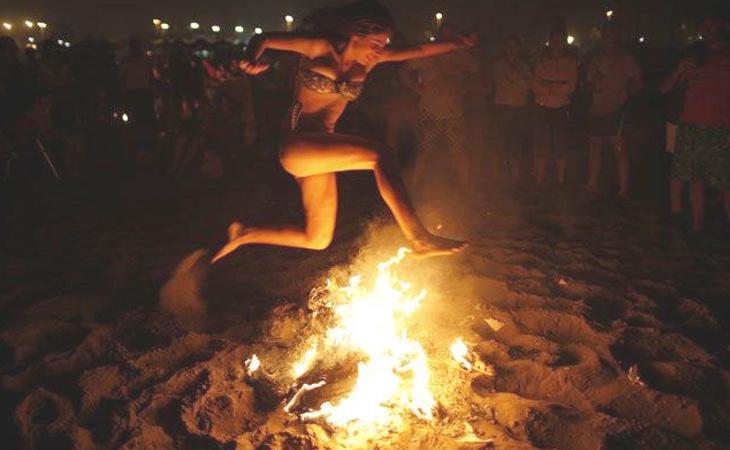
(702,153)
(613,77)
(554,81)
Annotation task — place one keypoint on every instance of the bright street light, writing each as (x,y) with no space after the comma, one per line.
(42,25)
(571,39)
(258,30)
(609,14)
(29,24)
(165,26)
(289,19)
(215,29)
(7,26)
(439,16)
(194,25)
(238,29)
(156,22)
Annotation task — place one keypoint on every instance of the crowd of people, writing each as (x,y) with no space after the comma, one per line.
(517,117)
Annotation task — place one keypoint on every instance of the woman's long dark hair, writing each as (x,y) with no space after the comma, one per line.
(358,18)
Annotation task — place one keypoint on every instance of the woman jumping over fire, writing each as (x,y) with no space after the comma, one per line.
(349,41)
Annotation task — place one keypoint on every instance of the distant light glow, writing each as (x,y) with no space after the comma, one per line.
(67,44)
(165,26)
(125,117)
(439,16)
(31,39)
(7,26)
(609,14)
(641,39)
(215,29)
(432,38)
(29,24)
(59,42)
(238,29)
(289,18)
(42,25)
(571,39)
(194,25)
(258,30)
(156,22)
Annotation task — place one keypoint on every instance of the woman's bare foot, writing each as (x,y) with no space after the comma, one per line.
(236,234)
(235,231)
(432,245)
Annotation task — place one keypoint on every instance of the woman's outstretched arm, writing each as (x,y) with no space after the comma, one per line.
(287,42)
(291,42)
(429,49)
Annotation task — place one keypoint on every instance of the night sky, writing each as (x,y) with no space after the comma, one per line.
(116,18)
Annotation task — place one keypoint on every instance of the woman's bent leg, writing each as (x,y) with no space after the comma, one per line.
(319,198)
(306,154)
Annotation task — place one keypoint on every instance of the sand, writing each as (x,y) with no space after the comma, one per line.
(598,326)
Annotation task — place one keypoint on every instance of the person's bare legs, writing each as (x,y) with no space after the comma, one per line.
(622,166)
(676,192)
(697,200)
(595,155)
(314,158)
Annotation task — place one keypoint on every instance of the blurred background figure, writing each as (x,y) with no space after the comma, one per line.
(613,77)
(511,77)
(554,81)
(702,153)
(441,83)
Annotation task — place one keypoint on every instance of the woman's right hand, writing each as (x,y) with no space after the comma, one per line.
(252,68)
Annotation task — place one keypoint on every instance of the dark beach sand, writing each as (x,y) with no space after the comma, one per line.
(611,325)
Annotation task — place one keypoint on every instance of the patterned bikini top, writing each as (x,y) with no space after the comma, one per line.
(322,84)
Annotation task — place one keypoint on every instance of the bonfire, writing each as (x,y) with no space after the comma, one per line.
(365,320)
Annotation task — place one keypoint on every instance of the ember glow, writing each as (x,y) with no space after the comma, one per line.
(393,373)
(459,351)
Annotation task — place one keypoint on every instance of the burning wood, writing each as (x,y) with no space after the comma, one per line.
(459,351)
(467,360)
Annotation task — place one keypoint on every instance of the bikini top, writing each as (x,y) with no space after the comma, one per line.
(322,84)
